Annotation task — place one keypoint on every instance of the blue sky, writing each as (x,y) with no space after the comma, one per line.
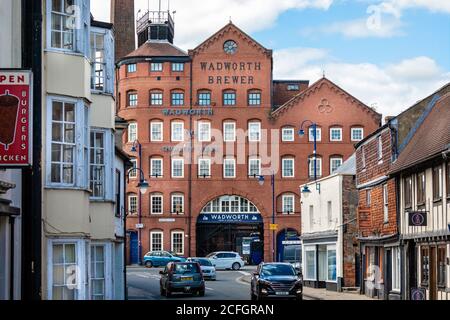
(387,53)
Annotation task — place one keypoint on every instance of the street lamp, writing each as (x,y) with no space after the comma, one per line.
(143,186)
(306,192)
(301,133)
(261,180)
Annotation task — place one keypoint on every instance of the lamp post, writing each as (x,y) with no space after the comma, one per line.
(261,180)
(306,191)
(143,187)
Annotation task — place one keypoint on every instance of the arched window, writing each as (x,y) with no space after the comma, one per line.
(204,98)
(335,163)
(132,98)
(229,98)
(177,98)
(177,203)
(132,132)
(156,97)
(318,167)
(156,203)
(230,204)
(288,203)
(132,204)
(254,97)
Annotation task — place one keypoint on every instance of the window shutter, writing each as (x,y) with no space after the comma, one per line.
(109,60)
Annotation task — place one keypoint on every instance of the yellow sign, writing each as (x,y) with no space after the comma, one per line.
(273,227)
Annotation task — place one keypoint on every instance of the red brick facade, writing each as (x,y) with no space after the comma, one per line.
(248,70)
(121,11)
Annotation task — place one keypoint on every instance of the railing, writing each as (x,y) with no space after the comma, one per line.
(154,17)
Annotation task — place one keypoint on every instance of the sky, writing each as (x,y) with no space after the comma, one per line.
(387,53)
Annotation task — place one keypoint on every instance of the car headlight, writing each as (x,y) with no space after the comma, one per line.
(264,283)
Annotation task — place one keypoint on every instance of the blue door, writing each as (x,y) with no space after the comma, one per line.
(134,248)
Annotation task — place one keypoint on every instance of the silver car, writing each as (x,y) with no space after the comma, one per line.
(207,267)
(226,260)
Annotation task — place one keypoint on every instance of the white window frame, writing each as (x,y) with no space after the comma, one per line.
(107,164)
(292,134)
(396,269)
(161,160)
(152,240)
(130,130)
(172,134)
(135,102)
(81,144)
(308,276)
(204,137)
(286,159)
(172,196)
(157,195)
(318,134)
(204,160)
(156,66)
(331,163)
(230,161)
(284,203)
(250,160)
(134,196)
(81,285)
(132,174)
(331,134)
(107,277)
(175,67)
(131,67)
(251,134)
(354,130)
(182,168)
(160,99)
(385,203)
(226,131)
(156,124)
(172,242)
(318,166)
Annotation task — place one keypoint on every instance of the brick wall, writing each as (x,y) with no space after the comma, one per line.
(350,243)
(281,94)
(122,16)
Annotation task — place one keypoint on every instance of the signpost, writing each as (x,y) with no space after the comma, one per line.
(16,126)
(417,218)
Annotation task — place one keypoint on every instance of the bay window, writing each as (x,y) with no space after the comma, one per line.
(98,164)
(62,15)
(98,61)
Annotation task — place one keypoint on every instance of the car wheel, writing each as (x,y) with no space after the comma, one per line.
(148,264)
(201,293)
(236,266)
(299,297)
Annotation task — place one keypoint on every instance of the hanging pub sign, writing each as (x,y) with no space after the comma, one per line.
(15,118)
(418,294)
(417,218)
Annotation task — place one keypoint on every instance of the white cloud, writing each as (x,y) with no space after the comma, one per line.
(390,88)
(431,5)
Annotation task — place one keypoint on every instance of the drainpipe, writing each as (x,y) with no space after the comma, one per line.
(11,257)
(191,135)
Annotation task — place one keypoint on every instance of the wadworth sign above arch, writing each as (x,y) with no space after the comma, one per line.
(15,118)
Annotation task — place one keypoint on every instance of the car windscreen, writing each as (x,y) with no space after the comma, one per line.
(277,270)
(211,255)
(204,262)
(186,268)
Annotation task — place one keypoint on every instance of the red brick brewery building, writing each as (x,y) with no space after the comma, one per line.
(217,139)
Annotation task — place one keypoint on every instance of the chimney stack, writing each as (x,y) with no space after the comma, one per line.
(122,16)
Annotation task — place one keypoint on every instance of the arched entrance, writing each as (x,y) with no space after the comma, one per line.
(231,223)
(289,248)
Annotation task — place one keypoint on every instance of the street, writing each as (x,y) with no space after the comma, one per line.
(143,284)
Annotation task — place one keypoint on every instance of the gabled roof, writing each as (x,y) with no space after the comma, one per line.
(221,33)
(430,140)
(157,49)
(316,86)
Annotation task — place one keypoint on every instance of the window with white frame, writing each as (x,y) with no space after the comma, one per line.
(287,134)
(97,164)
(156,131)
(177,168)
(229,168)
(357,134)
(62,37)
(204,131)
(177,243)
(133,172)
(132,99)
(156,67)
(64,259)
(177,203)
(380,148)
(177,67)
(204,98)
(254,167)
(335,163)
(396,269)
(335,134)
(156,204)
(254,131)
(331,263)
(310,262)
(98,61)
(131,67)
(63,145)
(229,98)
(287,167)
(156,167)
(177,98)
(318,167)
(318,134)
(132,132)
(156,98)
(385,203)
(254,98)
(177,134)
(204,167)
(132,204)
(229,131)
(156,241)
(288,204)
(98,271)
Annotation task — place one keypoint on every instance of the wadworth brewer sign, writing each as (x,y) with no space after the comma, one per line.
(15,118)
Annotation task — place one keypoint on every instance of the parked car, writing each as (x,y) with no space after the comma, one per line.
(208,269)
(226,260)
(183,277)
(276,280)
(161,259)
